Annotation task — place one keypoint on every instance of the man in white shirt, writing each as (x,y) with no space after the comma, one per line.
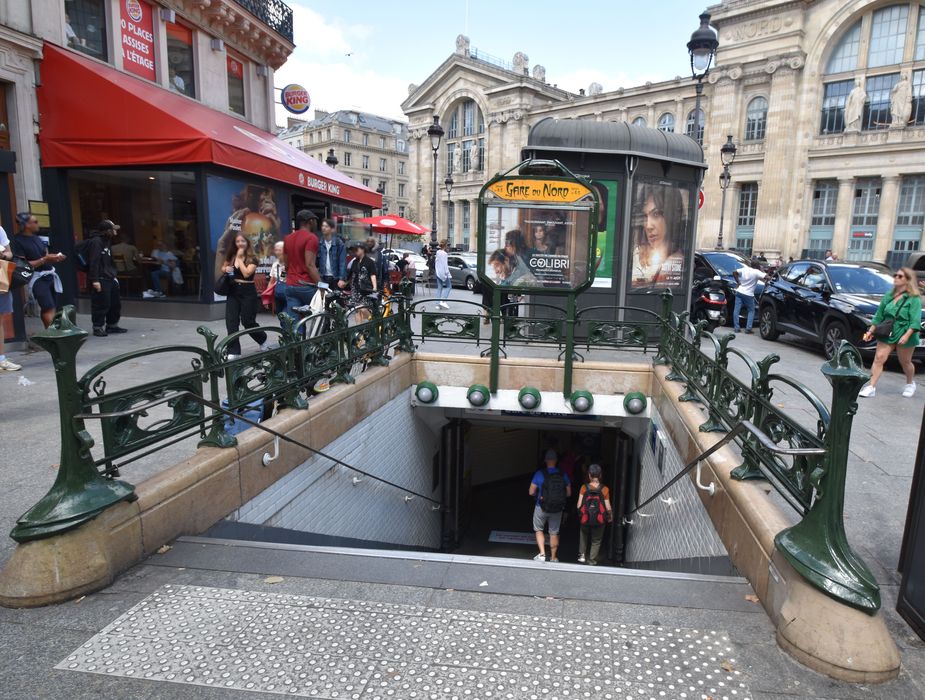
(747,279)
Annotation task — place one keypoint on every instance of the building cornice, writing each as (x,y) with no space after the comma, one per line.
(229,21)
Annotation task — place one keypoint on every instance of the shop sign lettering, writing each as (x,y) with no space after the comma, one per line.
(295,98)
(138,39)
(539,190)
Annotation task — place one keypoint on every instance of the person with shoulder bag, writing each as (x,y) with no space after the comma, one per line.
(896,326)
(594,512)
(6,305)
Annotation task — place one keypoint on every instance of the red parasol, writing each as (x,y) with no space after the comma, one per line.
(393,224)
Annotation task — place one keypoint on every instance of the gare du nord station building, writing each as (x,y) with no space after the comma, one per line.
(804,179)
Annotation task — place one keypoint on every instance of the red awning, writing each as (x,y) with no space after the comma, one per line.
(94,116)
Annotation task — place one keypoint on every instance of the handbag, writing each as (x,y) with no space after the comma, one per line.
(884,329)
(268,294)
(14,274)
(223,284)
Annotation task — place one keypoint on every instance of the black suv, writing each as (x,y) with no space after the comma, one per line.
(826,302)
(717,263)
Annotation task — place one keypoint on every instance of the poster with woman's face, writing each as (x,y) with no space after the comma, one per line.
(660,233)
(537,248)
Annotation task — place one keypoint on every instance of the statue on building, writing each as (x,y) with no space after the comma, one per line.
(539,73)
(901,102)
(595,89)
(521,63)
(462,45)
(457,160)
(854,108)
(412,88)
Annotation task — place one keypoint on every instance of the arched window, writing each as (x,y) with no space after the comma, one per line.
(694,125)
(465,138)
(639,121)
(666,123)
(756,119)
(867,62)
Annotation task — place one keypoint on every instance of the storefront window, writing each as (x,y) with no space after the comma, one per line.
(85,27)
(157,212)
(181,77)
(236,85)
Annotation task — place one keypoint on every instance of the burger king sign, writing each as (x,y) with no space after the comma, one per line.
(295,99)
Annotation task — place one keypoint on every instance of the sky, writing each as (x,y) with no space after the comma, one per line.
(363,54)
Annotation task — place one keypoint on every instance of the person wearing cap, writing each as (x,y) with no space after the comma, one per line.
(361,277)
(105,302)
(45,285)
(547,514)
(301,248)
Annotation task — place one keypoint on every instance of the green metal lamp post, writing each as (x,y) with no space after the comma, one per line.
(79,493)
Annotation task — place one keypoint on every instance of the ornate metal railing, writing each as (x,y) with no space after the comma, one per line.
(275,14)
(806,464)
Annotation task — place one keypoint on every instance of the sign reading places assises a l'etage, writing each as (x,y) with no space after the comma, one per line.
(138,39)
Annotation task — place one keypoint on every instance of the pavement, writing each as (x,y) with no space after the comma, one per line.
(882,455)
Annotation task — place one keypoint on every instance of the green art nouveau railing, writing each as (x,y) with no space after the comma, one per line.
(806,465)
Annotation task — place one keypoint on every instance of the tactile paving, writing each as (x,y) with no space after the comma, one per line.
(305,646)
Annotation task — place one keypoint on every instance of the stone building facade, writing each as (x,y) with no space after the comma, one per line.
(817,167)
(372,150)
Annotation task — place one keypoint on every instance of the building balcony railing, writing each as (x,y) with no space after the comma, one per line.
(275,14)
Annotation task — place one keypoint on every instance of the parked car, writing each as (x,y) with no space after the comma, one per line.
(393,255)
(709,264)
(463,271)
(825,302)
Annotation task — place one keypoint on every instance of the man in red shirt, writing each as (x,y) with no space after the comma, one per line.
(301,248)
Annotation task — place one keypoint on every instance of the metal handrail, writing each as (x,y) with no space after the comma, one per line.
(741,428)
(220,409)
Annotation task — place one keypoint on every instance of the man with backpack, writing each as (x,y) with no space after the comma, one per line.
(594,512)
(551,488)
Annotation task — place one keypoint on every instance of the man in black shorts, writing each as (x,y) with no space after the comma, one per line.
(45,284)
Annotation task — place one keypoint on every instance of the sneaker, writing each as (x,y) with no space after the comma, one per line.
(591,562)
(749,331)
(115,329)
(868,392)
(736,330)
(148,295)
(539,557)
(8,366)
(909,390)
(233,357)
(99,332)
(554,560)
(444,305)
(581,558)
(264,347)
(438,306)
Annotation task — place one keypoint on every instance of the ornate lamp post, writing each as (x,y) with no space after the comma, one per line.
(448,184)
(331,160)
(435,131)
(702,48)
(727,154)
(385,205)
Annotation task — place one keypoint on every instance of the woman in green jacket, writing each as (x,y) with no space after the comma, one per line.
(904,305)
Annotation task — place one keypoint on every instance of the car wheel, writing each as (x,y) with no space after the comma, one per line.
(832,335)
(470,283)
(767,322)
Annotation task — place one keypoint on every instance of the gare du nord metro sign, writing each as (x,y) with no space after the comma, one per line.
(537,234)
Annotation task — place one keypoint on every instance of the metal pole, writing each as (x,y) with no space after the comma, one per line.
(433,205)
(697,111)
(722,207)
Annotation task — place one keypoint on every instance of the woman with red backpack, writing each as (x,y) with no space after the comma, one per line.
(594,512)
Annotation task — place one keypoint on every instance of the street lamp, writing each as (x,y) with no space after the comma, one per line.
(385,205)
(702,48)
(727,154)
(448,184)
(435,131)
(331,160)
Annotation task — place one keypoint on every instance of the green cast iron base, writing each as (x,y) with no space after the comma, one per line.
(63,509)
(829,565)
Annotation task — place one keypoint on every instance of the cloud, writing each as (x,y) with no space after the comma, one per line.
(333,79)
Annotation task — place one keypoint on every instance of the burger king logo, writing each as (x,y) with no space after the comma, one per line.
(133,8)
(295,99)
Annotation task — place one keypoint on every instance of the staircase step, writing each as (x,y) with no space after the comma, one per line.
(463,573)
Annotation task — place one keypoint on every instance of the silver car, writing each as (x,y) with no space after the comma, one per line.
(463,270)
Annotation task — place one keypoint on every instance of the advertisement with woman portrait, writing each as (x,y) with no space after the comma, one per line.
(537,247)
(661,233)
(237,206)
